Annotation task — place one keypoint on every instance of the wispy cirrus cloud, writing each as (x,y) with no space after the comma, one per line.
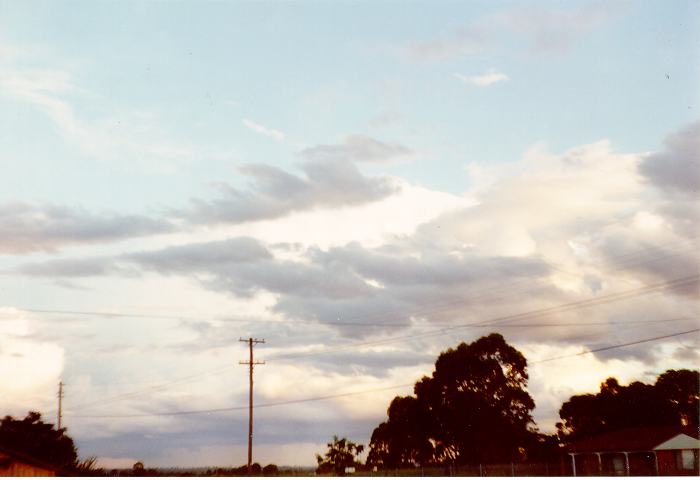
(263,130)
(106,134)
(486,79)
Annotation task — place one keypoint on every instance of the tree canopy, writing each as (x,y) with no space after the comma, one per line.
(671,401)
(341,454)
(474,408)
(38,439)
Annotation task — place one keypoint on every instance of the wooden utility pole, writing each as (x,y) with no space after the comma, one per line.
(250,363)
(60,403)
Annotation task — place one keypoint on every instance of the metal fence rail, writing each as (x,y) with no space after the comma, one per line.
(543,469)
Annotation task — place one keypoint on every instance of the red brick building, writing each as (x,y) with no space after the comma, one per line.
(638,451)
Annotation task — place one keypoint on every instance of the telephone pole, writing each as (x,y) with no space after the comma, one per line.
(60,403)
(250,363)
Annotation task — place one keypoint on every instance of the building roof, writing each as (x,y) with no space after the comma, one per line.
(631,439)
(8,455)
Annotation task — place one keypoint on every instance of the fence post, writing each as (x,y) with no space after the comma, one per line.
(481,473)
(512,469)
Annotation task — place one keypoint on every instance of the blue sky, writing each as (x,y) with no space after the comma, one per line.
(290,164)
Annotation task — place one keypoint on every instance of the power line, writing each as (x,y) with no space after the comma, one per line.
(610,347)
(347,394)
(261,405)
(428,308)
(677,283)
(111,400)
(520,325)
(155,387)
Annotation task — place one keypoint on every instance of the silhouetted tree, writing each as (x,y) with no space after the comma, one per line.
(38,439)
(270,470)
(681,388)
(404,439)
(671,401)
(341,454)
(138,470)
(474,408)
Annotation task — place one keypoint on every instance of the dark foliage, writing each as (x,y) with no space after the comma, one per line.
(341,454)
(270,470)
(671,401)
(474,408)
(403,440)
(39,440)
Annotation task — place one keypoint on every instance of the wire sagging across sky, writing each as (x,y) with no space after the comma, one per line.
(348,394)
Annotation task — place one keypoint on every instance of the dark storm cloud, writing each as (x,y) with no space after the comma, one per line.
(226,429)
(357,148)
(28,228)
(274,193)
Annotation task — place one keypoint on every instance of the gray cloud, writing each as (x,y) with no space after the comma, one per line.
(202,257)
(357,148)
(552,31)
(274,193)
(74,268)
(332,283)
(543,31)
(675,172)
(677,167)
(28,228)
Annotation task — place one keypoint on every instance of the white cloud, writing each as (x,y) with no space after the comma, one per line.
(262,130)
(484,80)
(441,258)
(29,368)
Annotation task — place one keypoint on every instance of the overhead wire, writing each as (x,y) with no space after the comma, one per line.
(347,394)
(610,347)
(684,281)
(260,405)
(429,308)
(445,328)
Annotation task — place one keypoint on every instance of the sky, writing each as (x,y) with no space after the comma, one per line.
(361,184)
